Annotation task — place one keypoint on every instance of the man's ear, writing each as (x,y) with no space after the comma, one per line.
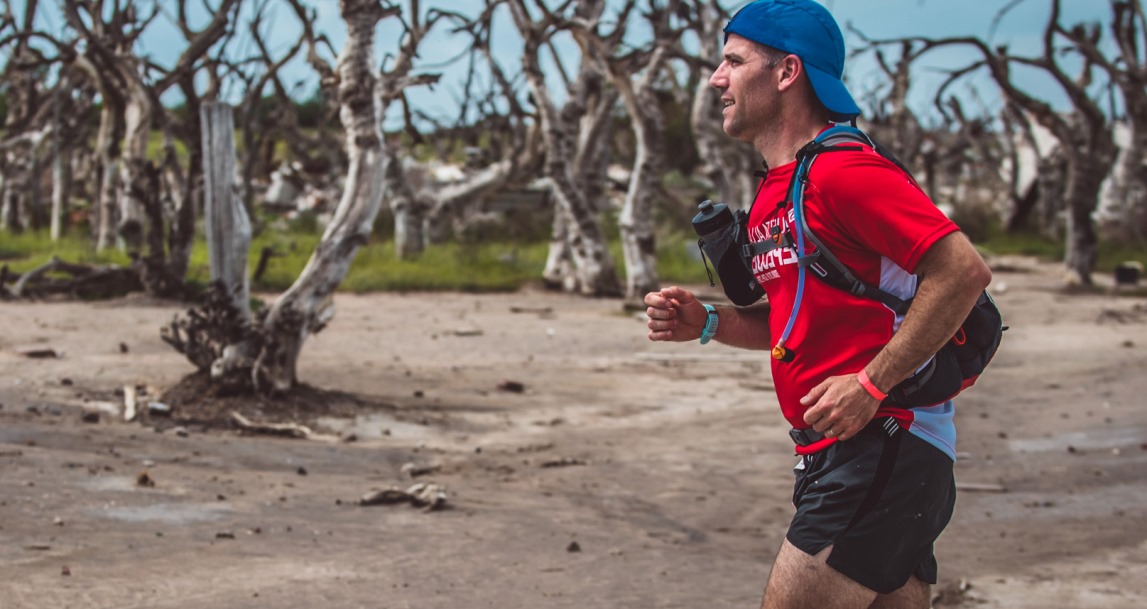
(791,69)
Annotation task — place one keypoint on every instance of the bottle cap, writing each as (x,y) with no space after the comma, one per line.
(711,217)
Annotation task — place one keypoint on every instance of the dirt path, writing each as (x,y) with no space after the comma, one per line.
(625,474)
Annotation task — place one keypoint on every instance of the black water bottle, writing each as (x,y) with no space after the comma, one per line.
(723,240)
(711,221)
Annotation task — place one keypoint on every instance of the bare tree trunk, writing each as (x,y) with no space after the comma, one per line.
(636,219)
(559,272)
(227,226)
(1084,133)
(12,206)
(21,90)
(410,225)
(1052,205)
(184,191)
(137,123)
(596,103)
(61,187)
(13,199)
(18,191)
(895,125)
(308,305)
(61,165)
(408,208)
(1084,177)
(107,151)
(1125,191)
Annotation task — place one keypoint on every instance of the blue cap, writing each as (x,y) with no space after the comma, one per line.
(807,30)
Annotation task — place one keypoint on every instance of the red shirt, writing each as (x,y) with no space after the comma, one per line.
(879,224)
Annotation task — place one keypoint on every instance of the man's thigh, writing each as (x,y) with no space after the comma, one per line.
(879,503)
(800,581)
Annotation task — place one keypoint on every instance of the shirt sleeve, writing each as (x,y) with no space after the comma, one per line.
(877,207)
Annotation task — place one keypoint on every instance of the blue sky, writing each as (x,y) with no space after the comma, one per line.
(1021,29)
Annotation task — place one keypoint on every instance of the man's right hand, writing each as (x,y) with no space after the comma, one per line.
(675,315)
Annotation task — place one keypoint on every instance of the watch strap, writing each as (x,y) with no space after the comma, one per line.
(710,329)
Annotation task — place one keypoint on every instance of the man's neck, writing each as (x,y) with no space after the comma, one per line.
(780,146)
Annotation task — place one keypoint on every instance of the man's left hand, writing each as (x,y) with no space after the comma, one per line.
(839,407)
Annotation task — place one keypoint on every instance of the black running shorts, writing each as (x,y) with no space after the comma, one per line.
(880,501)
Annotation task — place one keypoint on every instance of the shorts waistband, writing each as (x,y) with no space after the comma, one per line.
(805,437)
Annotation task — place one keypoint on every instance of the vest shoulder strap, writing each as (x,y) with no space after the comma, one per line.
(833,272)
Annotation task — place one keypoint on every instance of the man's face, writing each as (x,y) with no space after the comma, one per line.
(747,81)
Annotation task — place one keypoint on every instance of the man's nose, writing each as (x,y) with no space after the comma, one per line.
(718,79)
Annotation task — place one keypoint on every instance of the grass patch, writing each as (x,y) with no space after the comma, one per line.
(1026,244)
(470,267)
(31,249)
(679,261)
(1045,248)
(486,267)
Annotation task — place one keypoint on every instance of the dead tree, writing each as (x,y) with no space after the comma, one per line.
(510,137)
(635,75)
(577,237)
(889,119)
(151,200)
(1084,131)
(264,121)
(140,196)
(729,165)
(109,59)
(107,147)
(1126,192)
(46,122)
(24,135)
(201,60)
(65,112)
(956,163)
(270,118)
(409,214)
(307,306)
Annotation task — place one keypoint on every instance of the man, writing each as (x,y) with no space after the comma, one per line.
(875,488)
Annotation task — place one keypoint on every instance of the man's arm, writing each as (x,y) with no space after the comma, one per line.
(951,276)
(676,315)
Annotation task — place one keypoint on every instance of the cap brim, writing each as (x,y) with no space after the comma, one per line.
(832,93)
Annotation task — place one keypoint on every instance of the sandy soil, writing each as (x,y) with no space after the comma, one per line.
(624,474)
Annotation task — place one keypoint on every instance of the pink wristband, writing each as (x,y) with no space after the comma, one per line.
(866,382)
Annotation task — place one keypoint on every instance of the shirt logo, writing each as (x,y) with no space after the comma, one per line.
(766,266)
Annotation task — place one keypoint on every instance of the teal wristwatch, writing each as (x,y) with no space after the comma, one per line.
(710,330)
